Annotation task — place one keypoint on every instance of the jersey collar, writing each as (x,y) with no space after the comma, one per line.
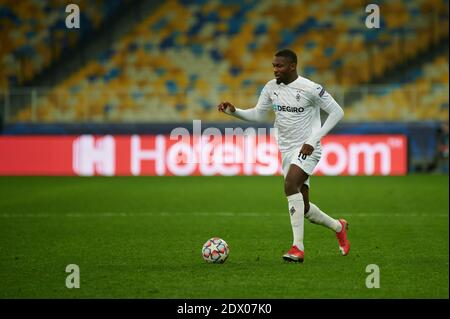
(283,84)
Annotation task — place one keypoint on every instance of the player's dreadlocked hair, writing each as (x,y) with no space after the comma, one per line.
(289,54)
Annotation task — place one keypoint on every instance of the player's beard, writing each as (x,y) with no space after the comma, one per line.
(281,79)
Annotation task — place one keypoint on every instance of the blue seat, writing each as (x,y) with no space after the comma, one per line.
(112,74)
(160,24)
(168,42)
(329,51)
(172,87)
(287,37)
(216,55)
(260,29)
(304,27)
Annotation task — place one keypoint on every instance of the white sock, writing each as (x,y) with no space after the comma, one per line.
(316,216)
(296,211)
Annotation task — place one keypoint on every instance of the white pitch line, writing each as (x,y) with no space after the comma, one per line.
(224,214)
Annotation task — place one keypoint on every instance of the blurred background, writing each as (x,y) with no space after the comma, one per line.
(145,67)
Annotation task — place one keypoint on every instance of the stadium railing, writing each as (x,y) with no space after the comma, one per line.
(362,103)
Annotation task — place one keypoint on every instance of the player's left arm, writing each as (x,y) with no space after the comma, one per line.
(326,102)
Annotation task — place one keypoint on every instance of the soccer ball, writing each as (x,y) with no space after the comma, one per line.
(215,250)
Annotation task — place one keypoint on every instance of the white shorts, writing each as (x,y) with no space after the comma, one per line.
(306,164)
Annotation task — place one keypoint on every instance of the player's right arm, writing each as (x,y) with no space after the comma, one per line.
(255,114)
(252,115)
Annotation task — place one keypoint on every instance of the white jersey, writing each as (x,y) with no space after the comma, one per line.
(297,111)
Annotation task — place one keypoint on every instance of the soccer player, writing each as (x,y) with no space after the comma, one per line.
(296,102)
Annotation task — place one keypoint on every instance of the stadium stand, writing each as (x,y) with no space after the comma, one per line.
(34,33)
(422,94)
(186,56)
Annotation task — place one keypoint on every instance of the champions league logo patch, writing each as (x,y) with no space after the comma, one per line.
(322,91)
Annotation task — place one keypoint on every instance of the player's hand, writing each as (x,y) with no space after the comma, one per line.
(224,105)
(306,149)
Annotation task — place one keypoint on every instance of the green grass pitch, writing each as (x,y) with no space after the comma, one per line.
(141,237)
